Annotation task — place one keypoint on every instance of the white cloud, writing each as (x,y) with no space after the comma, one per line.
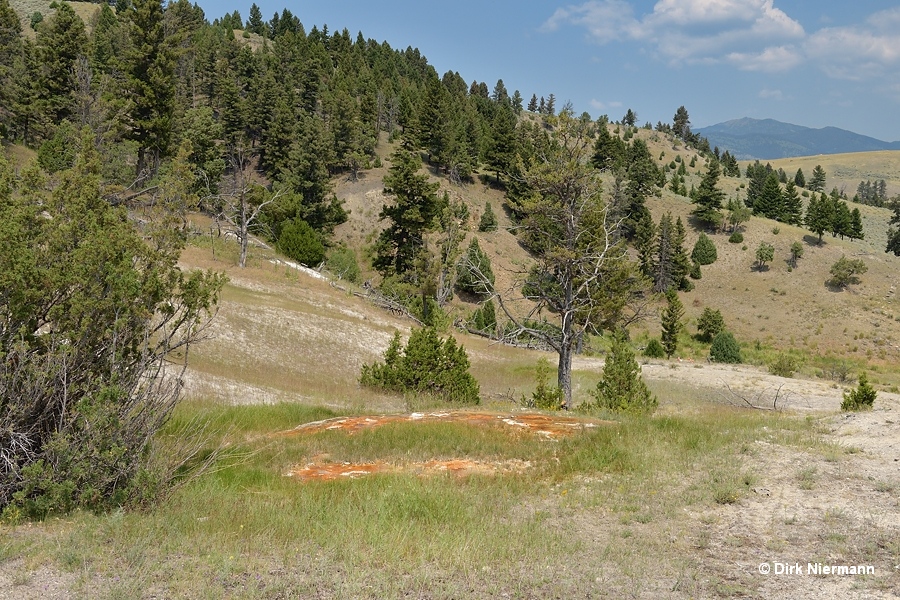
(605,105)
(856,52)
(752,35)
(769,60)
(768,94)
(605,20)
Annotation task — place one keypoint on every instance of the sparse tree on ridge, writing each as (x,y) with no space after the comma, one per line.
(681,123)
(817,182)
(765,253)
(709,198)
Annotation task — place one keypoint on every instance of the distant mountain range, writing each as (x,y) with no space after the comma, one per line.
(769,139)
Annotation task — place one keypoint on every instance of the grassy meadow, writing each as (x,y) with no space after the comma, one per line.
(635,507)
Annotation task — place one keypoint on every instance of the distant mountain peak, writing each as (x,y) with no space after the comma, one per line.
(766,139)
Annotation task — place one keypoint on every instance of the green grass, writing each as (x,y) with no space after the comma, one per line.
(245,530)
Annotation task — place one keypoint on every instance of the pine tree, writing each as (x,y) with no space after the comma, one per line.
(680,257)
(769,203)
(664,268)
(817,218)
(412,212)
(841,221)
(792,206)
(710,324)
(709,198)
(609,151)
(474,270)
(817,183)
(533,103)
(255,22)
(149,81)
(681,123)
(12,66)
(855,232)
(517,102)
(488,221)
(59,43)
(671,322)
(645,240)
(799,179)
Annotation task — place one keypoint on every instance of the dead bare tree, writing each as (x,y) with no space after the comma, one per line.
(241,201)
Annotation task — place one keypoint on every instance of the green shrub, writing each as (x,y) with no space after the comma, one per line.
(427,365)
(725,349)
(862,398)
(736,238)
(544,396)
(59,151)
(488,220)
(784,365)
(654,349)
(844,272)
(622,388)
(695,272)
(341,261)
(485,318)
(710,324)
(300,242)
(36,18)
(431,314)
(704,252)
(82,399)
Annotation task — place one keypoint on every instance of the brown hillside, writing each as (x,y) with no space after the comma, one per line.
(778,308)
(25,8)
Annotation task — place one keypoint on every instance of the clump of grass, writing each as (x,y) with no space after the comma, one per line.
(807,478)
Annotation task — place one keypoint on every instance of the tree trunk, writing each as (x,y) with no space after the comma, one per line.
(564,372)
(243,228)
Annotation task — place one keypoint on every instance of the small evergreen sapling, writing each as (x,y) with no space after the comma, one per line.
(488,220)
(622,388)
(704,252)
(862,398)
(654,349)
(544,396)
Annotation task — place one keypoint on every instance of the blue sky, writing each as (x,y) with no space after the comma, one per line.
(809,63)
